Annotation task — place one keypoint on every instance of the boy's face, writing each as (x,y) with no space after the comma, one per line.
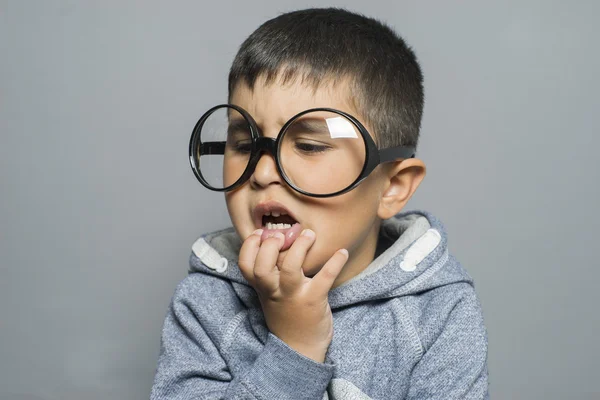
(347,221)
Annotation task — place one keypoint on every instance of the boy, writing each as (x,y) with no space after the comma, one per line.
(321,289)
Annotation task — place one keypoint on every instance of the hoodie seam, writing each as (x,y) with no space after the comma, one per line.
(412,331)
(230,330)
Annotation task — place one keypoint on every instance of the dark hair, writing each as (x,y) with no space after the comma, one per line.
(324,44)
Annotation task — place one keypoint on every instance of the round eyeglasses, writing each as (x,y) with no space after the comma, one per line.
(321,152)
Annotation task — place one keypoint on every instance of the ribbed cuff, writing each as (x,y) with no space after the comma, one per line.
(280,372)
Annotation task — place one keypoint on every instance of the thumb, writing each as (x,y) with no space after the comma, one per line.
(324,279)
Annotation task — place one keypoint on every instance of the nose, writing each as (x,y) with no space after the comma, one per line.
(265,173)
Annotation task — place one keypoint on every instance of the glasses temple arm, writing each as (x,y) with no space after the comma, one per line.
(395,153)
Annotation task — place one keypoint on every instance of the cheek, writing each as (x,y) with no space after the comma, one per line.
(350,213)
(343,224)
(235,206)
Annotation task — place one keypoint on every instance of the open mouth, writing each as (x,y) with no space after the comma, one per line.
(277,220)
(273,217)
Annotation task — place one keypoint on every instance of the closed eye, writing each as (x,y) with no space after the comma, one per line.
(311,148)
(243,147)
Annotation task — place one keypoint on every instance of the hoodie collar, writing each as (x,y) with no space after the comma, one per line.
(412,251)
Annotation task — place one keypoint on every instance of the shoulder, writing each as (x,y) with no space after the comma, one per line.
(205,302)
(206,292)
(452,308)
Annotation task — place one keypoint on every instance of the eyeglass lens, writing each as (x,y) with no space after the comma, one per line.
(320,152)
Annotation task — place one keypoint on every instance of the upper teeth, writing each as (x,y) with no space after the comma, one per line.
(275,213)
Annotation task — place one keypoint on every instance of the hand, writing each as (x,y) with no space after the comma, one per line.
(295,307)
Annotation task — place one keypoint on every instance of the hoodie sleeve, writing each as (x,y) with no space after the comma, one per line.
(190,364)
(454,364)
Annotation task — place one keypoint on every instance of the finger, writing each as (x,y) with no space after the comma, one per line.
(266,274)
(324,279)
(248,253)
(291,270)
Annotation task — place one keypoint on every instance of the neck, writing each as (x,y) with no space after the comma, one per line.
(360,256)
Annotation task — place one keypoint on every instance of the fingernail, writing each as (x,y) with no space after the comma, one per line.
(308,233)
(258,232)
(344,252)
(281,238)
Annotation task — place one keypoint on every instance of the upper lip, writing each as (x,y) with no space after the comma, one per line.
(268,207)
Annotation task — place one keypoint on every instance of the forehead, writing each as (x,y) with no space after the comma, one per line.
(271,104)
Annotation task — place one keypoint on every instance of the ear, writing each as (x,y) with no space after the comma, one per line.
(401,180)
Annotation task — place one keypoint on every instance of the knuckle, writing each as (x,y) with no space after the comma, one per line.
(329,274)
(243,264)
(261,273)
(286,271)
(290,265)
(245,272)
(269,296)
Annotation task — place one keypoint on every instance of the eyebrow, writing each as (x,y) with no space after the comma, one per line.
(304,124)
(238,125)
(310,125)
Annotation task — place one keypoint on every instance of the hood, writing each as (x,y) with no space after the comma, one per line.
(412,257)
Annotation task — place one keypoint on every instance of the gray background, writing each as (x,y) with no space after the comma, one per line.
(99,208)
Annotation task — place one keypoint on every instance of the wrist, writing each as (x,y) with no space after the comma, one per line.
(280,372)
(314,352)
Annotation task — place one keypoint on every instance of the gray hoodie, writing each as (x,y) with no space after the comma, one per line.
(408,327)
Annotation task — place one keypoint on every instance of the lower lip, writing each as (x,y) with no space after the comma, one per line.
(290,234)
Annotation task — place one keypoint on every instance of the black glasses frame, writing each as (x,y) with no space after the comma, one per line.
(261,144)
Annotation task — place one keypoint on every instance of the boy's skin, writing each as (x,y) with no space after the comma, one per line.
(340,233)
